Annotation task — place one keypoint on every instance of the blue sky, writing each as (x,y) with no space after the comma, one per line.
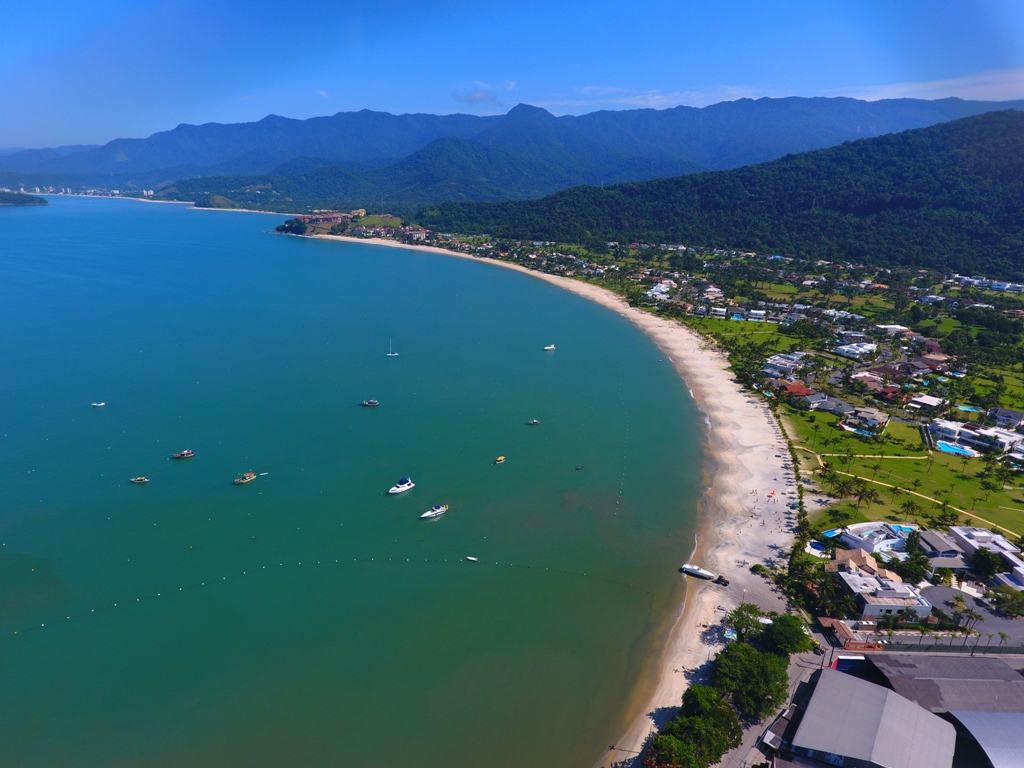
(87,72)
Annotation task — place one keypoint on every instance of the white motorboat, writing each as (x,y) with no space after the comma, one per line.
(435,511)
(549,348)
(695,570)
(391,352)
(403,485)
(99,405)
(473,559)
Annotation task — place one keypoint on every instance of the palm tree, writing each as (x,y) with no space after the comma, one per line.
(1003,637)
(844,487)
(863,493)
(895,491)
(875,468)
(910,507)
(847,458)
(815,429)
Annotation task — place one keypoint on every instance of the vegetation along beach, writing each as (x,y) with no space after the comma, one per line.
(570,385)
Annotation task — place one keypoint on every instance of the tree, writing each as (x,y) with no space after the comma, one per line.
(863,492)
(705,729)
(745,619)
(910,507)
(1008,602)
(786,635)
(844,487)
(756,682)
(985,564)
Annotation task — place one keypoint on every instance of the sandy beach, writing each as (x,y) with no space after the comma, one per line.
(744,518)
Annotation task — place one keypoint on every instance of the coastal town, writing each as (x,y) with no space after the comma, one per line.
(899,399)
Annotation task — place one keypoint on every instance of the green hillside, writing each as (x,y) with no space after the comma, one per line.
(446,169)
(949,196)
(17,198)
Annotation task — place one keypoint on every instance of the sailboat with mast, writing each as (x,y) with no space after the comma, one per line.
(391,351)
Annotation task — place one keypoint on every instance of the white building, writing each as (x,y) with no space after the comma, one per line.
(880,596)
(783,365)
(975,436)
(876,537)
(892,330)
(858,350)
(972,539)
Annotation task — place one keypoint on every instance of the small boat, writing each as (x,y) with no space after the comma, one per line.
(579,467)
(473,559)
(370,403)
(248,477)
(188,453)
(695,570)
(138,480)
(403,485)
(549,348)
(500,460)
(435,511)
(391,352)
(99,405)
(533,423)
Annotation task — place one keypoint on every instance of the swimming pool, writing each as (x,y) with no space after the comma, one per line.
(904,528)
(830,533)
(957,450)
(968,409)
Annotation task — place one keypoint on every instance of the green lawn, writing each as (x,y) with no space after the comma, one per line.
(905,464)
(745,331)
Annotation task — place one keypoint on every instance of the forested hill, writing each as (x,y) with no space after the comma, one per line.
(18,198)
(949,196)
(717,137)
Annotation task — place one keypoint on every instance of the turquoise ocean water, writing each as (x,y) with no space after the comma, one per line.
(307,618)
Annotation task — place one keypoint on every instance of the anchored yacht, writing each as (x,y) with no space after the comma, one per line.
(435,511)
(403,485)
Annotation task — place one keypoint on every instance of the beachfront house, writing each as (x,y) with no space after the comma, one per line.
(784,365)
(892,330)
(975,436)
(879,596)
(820,402)
(860,350)
(1005,418)
(718,312)
(925,402)
(757,315)
(867,419)
(881,538)
(942,551)
(971,539)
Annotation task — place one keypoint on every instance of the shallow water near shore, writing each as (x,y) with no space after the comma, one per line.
(307,618)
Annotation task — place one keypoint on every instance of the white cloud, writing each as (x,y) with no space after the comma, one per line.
(993,85)
(324,94)
(477,93)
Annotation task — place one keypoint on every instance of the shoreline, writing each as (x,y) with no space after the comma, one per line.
(745,462)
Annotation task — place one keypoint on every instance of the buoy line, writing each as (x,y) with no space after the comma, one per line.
(453,560)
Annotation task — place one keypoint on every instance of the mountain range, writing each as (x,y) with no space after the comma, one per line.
(356,158)
(947,196)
